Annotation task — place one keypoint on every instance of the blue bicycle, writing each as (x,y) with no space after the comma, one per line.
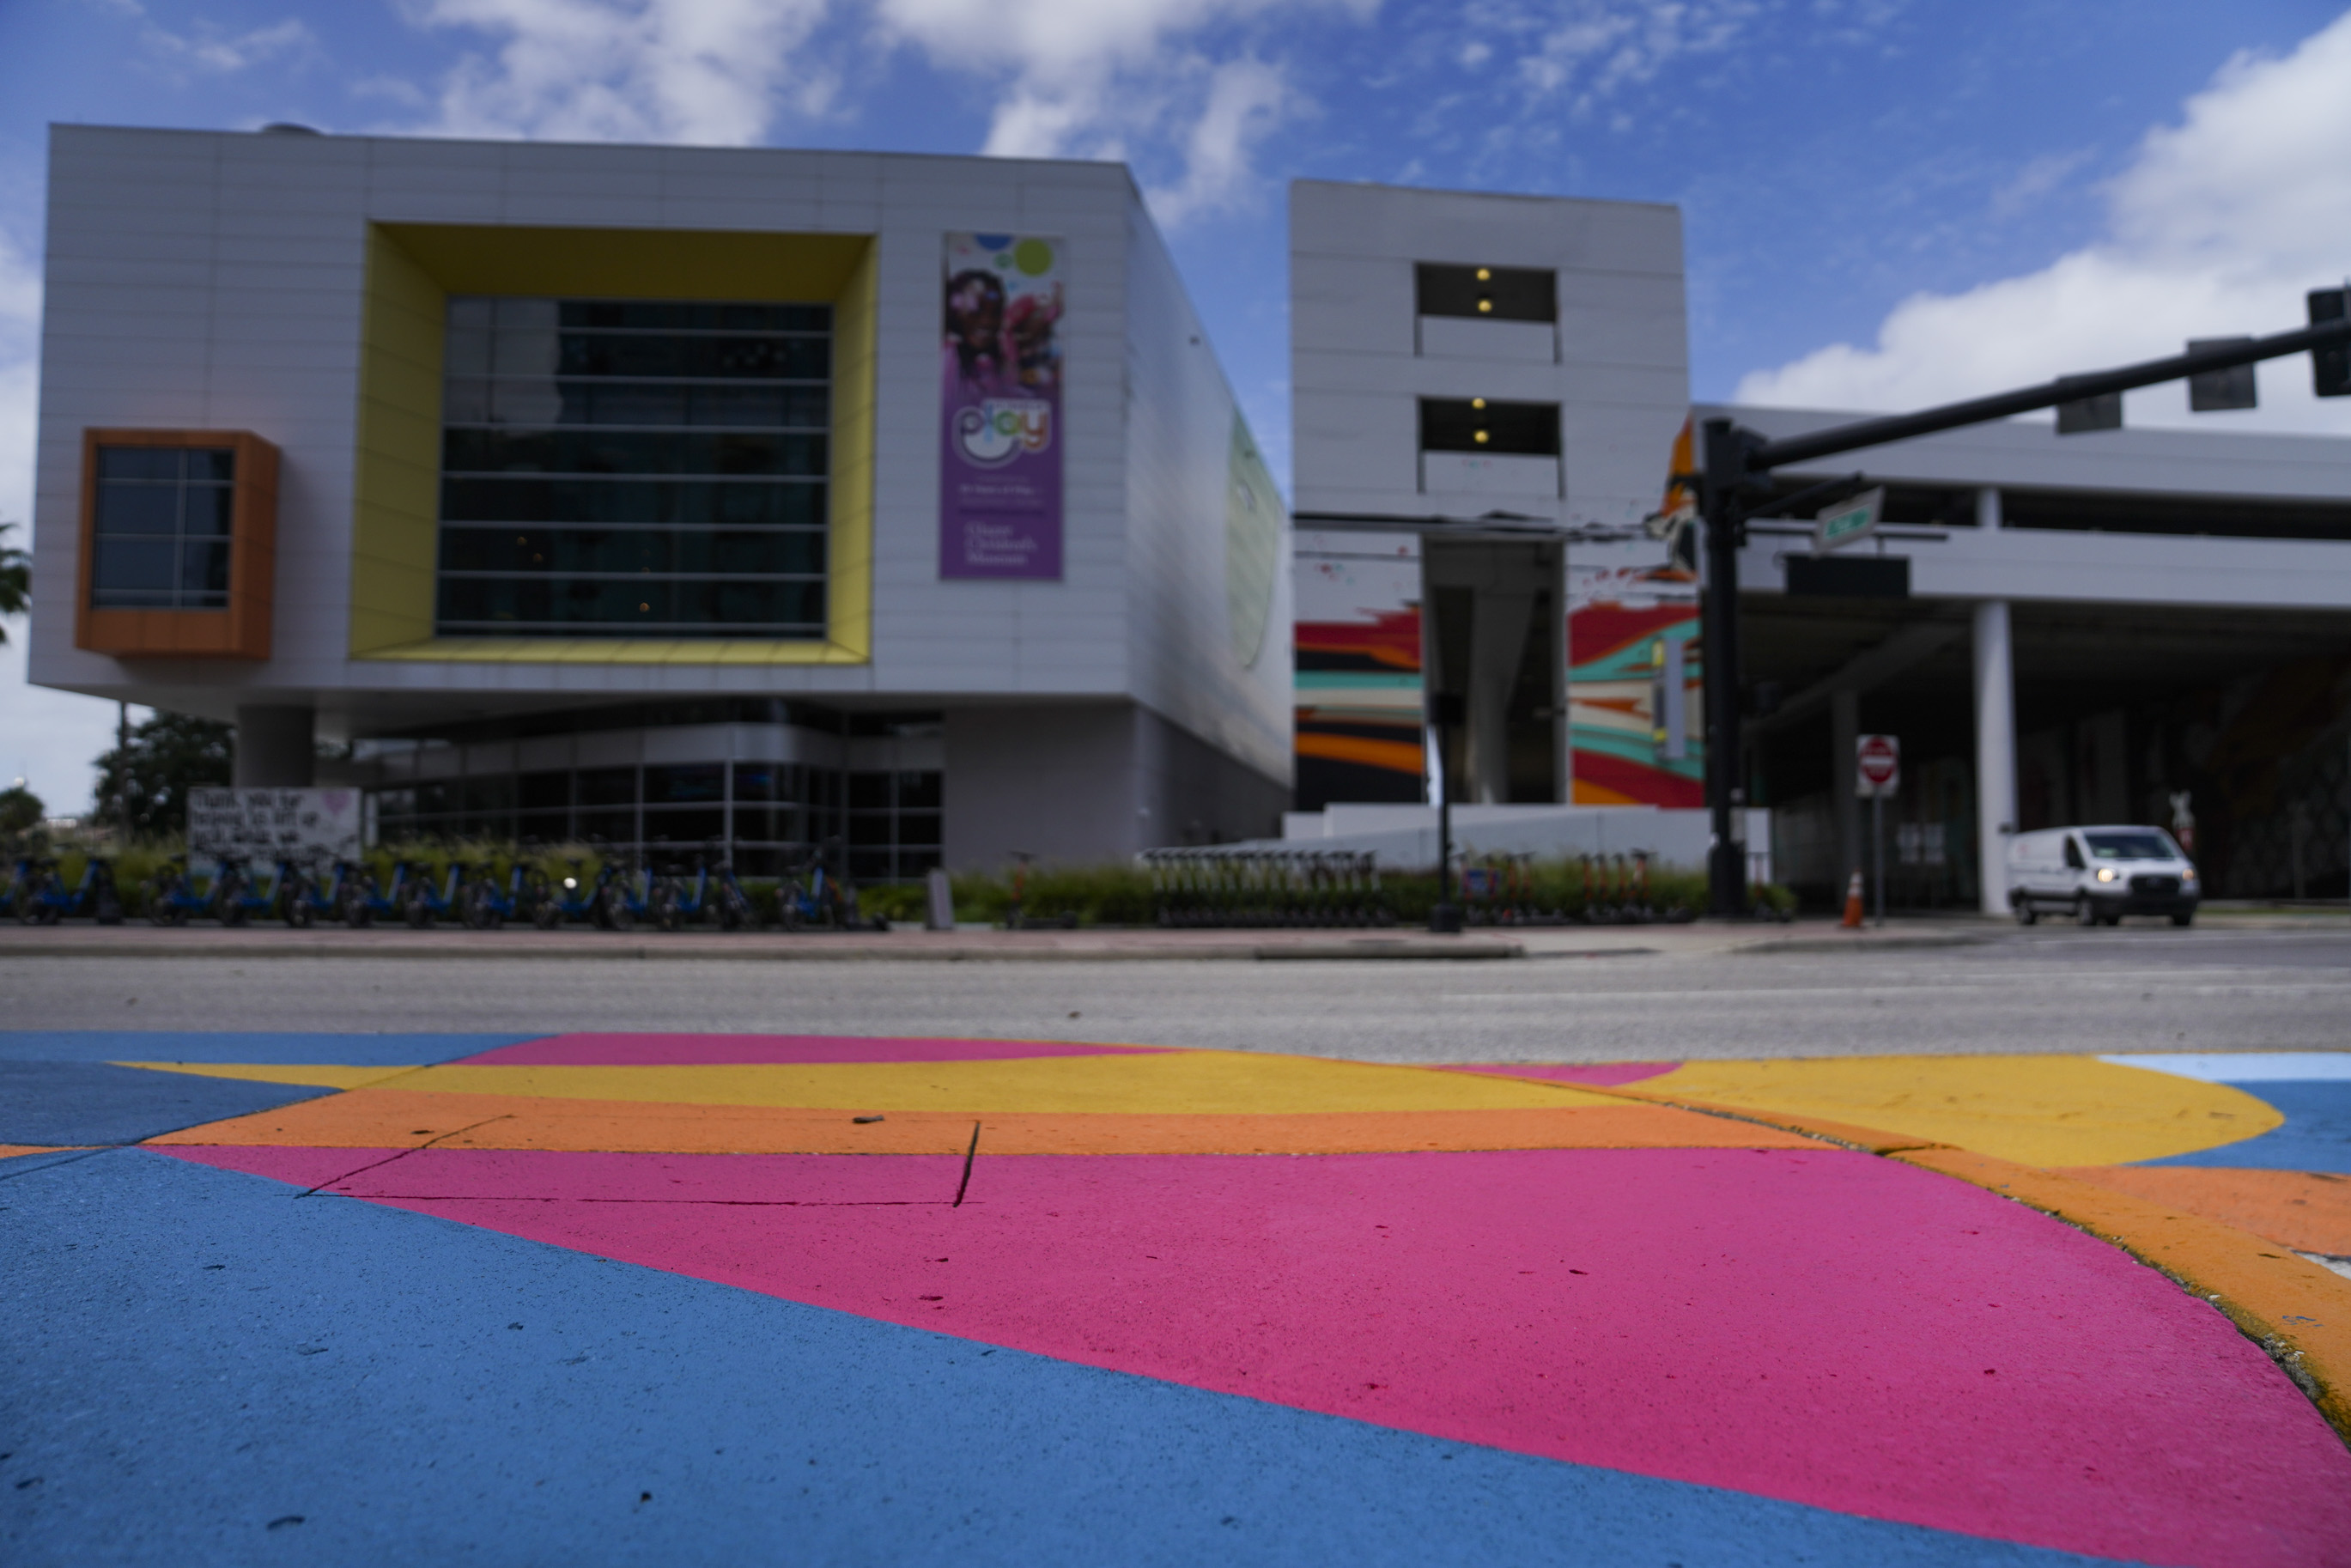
(174,894)
(486,908)
(426,906)
(42,898)
(301,899)
(363,901)
(578,898)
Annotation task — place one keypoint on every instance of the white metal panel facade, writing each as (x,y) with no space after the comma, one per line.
(216,281)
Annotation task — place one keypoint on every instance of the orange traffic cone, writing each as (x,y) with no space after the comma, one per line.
(1853,902)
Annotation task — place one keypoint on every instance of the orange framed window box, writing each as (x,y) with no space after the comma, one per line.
(179,544)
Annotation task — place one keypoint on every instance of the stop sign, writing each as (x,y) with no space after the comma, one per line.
(1878,761)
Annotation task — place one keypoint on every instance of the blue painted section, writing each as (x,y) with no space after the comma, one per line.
(91,1103)
(2317,1136)
(194,1353)
(268,1049)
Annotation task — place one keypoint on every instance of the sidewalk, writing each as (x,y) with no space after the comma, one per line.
(1092,944)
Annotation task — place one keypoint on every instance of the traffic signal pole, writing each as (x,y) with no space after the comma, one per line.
(1735,468)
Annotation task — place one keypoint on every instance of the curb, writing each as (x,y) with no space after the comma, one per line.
(1859,944)
(818,950)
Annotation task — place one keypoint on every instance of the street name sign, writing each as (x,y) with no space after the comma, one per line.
(1848,520)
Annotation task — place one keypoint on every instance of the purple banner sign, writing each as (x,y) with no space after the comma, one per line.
(1001,409)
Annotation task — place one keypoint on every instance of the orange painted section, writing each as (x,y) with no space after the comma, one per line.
(1399,755)
(1587,793)
(10,1151)
(394,1118)
(2310,1213)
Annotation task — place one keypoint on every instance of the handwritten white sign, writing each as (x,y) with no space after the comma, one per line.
(305,826)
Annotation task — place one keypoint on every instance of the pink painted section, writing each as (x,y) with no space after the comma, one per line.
(681,1049)
(1602,1073)
(1820,1326)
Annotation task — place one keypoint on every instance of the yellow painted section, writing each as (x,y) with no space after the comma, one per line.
(1195,1083)
(396,479)
(412,270)
(318,1075)
(2035,1110)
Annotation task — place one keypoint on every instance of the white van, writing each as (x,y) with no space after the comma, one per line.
(2100,875)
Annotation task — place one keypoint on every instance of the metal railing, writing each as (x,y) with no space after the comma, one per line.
(1235,887)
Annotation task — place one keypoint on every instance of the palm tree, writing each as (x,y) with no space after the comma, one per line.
(15,579)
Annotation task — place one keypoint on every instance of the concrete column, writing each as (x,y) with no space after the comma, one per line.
(1995,671)
(1844,737)
(275,748)
(1498,636)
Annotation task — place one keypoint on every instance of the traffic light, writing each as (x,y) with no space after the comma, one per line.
(2330,364)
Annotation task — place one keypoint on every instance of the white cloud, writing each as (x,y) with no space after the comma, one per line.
(1586,49)
(47,737)
(1246,98)
(705,71)
(2218,227)
(1092,77)
(206,47)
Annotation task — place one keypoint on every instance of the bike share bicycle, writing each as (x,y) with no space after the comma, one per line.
(42,898)
(171,894)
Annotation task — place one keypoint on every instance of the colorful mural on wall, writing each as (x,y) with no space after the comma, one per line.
(1359,733)
(1625,630)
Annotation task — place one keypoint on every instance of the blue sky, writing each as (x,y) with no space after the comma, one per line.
(1887,202)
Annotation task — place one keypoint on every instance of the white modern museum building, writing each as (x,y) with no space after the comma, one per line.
(670,494)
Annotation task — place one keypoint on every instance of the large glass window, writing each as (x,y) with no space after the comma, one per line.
(1492,293)
(163,523)
(637,468)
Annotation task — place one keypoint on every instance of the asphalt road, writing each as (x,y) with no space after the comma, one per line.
(2045,990)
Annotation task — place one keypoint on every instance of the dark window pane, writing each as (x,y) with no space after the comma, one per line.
(203,569)
(693,781)
(1496,292)
(919,791)
(869,866)
(685,824)
(868,828)
(608,786)
(918,827)
(158,464)
(208,510)
(493,793)
(616,826)
(869,791)
(215,463)
(916,863)
(546,827)
(1455,425)
(756,781)
(757,822)
(434,798)
(542,791)
(138,509)
(142,567)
